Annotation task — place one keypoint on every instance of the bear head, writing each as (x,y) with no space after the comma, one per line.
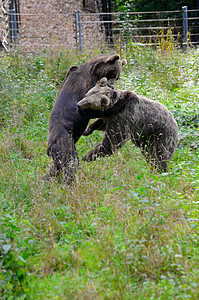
(108,66)
(100,97)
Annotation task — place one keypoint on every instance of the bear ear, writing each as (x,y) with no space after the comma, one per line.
(124,62)
(128,95)
(105,101)
(113,58)
(71,69)
(103,82)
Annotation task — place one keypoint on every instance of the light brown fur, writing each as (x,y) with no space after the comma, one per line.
(148,123)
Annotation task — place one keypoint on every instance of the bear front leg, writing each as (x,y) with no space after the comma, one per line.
(99,124)
(97,151)
(110,144)
(64,154)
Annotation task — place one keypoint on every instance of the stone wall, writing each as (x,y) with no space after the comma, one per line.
(51,24)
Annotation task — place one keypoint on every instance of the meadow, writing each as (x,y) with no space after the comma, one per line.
(121,230)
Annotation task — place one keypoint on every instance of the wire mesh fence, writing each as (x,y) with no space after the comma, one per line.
(77,30)
(148,28)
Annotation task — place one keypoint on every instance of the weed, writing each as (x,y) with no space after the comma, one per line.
(120,230)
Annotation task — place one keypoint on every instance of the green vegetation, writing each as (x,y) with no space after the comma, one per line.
(121,230)
(153,5)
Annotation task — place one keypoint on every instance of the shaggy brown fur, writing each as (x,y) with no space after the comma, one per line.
(67,123)
(146,122)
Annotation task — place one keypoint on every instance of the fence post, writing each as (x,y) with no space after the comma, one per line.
(75,15)
(15,26)
(10,24)
(80,31)
(185,27)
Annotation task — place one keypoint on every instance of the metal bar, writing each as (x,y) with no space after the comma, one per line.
(3,9)
(148,28)
(152,36)
(116,28)
(10,23)
(138,12)
(80,31)
(185,27)
(18,12)
(132,21)
(75,15)
(99,13)
(193,10)
(100,22)
(15,27)
(193,18)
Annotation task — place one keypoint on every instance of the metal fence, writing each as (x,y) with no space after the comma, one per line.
(146,28)
(82,30)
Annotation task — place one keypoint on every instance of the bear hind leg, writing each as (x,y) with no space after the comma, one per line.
(65,157)
(156,154)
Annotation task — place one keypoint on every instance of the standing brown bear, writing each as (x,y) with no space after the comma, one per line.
(67,123)
(146,122)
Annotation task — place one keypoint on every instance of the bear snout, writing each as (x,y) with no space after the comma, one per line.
(82,104)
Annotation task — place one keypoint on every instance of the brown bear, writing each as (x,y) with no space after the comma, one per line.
(146,122)
(67,123)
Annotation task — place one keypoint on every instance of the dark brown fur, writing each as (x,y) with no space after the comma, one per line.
(66,122)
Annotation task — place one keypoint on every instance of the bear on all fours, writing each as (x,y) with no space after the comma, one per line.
(148,123)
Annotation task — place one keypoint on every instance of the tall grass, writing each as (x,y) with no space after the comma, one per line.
(121,230)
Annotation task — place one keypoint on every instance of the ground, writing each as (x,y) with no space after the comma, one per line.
(121,231)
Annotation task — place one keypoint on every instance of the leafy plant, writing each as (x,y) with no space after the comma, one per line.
(12,264)
(120,230)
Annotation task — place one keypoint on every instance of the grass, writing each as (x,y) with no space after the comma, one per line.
(121,230)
